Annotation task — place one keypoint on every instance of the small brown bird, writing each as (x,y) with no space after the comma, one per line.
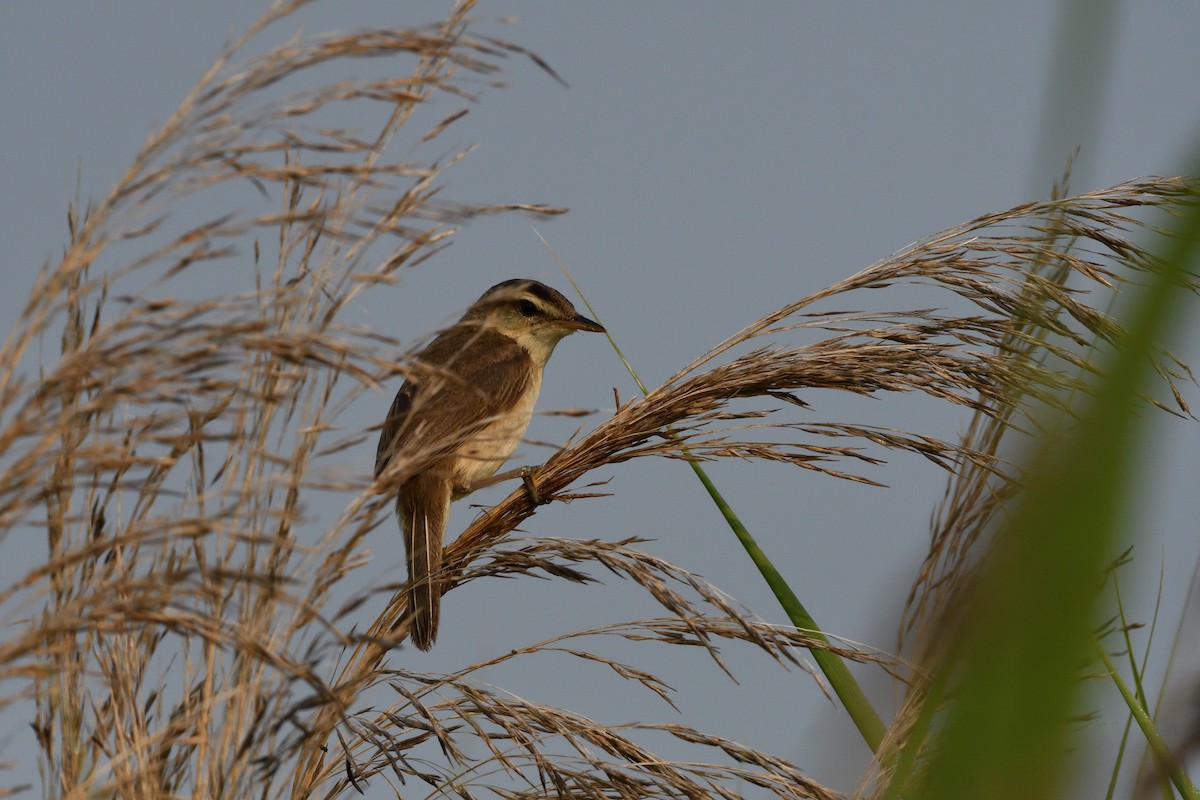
(461,414)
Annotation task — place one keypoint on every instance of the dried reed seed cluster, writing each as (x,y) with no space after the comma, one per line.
(178,638)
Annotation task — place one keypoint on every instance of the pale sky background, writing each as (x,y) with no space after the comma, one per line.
(718,161)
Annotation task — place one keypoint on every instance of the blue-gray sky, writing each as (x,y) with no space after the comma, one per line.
(718,160)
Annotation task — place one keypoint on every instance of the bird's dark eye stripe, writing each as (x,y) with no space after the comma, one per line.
(543,293)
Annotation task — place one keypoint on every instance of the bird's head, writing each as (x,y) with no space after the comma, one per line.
(532,313)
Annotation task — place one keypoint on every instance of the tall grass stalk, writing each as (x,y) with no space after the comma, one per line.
(868,723)
(1002,735)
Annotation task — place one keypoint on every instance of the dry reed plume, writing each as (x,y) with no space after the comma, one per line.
(178,638)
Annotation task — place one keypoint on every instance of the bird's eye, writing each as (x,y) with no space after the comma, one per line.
(527,308)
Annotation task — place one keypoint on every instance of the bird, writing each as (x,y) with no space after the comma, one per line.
(460,414)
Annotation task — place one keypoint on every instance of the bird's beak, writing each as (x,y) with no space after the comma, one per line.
(582,323)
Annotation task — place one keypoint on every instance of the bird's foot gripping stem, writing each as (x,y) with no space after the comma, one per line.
(524,473)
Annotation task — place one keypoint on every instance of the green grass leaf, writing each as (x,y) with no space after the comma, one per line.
(1011,680)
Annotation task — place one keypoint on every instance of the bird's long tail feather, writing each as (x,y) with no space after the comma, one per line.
(424,508)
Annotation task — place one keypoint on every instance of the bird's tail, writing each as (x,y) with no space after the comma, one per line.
(424,508)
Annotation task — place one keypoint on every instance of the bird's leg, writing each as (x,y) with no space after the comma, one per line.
(524,473)
(530,489)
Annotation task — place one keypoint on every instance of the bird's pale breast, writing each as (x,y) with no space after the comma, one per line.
(485,452)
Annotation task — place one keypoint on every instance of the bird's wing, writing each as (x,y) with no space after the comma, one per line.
(446,418)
